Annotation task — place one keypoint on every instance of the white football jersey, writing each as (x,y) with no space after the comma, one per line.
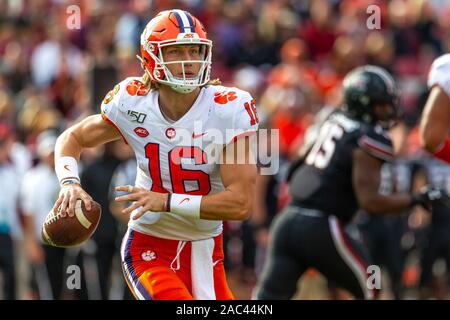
(181,156)
(440,73)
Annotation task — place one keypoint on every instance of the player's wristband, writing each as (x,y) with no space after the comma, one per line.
(66,169)
(69,181)
(416,199)
(185,205)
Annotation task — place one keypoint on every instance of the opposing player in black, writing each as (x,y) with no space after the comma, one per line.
(437,174)
(383,234)
(339,172)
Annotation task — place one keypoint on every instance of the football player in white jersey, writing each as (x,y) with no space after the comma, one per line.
(192,139)
(435,122)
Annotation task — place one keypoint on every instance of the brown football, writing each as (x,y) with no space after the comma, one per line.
(71,231)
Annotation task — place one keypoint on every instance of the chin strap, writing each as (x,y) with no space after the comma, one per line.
(143,65)
(181,89)
(141,60)
(176,87)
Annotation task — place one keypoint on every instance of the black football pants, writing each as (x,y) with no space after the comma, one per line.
(7,267)
(302,239)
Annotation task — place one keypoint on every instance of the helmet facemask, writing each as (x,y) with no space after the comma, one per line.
(391,119)
(161,72)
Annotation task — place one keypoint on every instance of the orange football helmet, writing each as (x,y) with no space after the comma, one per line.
(175,27)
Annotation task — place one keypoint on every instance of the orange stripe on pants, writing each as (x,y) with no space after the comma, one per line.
(151,268)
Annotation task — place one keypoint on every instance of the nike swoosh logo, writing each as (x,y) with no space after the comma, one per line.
(216,262)
(198,135)
(66,167)
(185,199)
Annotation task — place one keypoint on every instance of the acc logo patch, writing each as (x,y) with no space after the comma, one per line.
(110,95)
(141,132)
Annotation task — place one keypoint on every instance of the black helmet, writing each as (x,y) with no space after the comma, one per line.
(366,86)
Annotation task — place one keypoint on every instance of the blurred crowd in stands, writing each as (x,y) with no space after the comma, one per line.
(290,54)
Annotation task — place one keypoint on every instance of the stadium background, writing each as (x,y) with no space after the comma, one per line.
(291,55)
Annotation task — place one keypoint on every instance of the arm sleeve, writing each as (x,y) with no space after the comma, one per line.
(440,73)
(110,104)
(245,119)
(110,108)
(377,143)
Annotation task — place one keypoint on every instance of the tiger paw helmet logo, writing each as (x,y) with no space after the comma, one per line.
(148,255)
(224,97)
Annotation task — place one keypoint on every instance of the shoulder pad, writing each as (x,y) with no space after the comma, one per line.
(136,87)
(439,73)
(377,142)
(111,94)
(226,95)
(228,101)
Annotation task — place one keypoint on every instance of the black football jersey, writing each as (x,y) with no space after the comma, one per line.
(323,180)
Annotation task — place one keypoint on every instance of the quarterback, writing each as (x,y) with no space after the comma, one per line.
(173,117)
